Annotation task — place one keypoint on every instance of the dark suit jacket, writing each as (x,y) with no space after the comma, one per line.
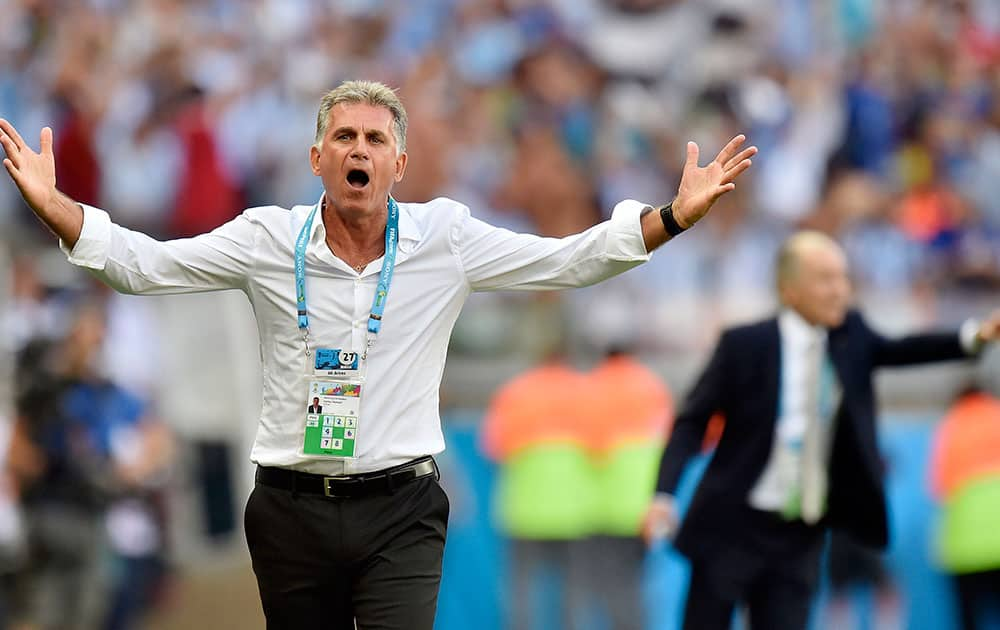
(741,381)
(315,409)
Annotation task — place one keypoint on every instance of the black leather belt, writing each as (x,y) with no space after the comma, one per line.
(345,486)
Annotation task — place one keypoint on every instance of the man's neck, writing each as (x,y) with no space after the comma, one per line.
(355,238)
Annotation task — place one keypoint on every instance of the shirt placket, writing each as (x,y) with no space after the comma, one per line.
(359,319)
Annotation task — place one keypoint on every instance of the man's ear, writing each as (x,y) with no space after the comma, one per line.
(400,166)
(314,159)
(785,294)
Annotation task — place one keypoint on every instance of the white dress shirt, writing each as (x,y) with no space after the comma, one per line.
(443,255)
(782,474)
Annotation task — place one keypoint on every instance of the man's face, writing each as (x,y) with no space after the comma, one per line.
(819,289)
(88,332)
(357,159)
(316,401)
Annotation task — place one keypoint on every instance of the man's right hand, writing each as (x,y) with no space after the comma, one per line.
(35,176)
(34,173)
(660,521)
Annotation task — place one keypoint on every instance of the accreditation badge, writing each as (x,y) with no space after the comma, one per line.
(333,405)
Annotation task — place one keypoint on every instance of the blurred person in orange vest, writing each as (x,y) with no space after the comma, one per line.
(627,419)
(965,477)
(544,490)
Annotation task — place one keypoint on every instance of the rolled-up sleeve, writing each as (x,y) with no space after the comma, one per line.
(494,258)
(132,262)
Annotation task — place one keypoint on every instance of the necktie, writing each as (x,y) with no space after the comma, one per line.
(813,474)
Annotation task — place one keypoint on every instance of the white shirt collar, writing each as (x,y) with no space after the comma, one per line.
(796,329)
(409,233)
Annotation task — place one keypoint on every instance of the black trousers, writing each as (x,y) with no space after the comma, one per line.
(771,568)
(774,600)
(979,598)
(330,563)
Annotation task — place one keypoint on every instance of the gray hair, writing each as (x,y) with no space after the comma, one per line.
(369,93)
(790,253)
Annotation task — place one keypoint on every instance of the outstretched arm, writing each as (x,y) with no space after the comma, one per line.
(494,258)
(932,347)
(35,176)
(128,261)
(699,189)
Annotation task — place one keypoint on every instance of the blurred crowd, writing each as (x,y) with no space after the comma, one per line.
(877,121)
(83,543)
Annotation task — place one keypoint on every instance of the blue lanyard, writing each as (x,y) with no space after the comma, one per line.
(384,278)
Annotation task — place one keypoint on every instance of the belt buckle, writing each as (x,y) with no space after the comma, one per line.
(328,491)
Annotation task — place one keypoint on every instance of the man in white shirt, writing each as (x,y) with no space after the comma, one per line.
(799,451)
(347,522)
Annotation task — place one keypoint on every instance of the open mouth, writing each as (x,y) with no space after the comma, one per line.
(357,178)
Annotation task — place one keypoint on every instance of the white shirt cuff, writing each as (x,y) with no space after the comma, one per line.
(625,242)
(91,249)
(968,338)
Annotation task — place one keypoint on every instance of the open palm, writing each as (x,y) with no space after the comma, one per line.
(701,187)
(33,173)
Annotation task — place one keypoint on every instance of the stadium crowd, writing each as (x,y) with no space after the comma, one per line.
(877,122)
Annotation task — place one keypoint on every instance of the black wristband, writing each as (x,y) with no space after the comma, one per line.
(670,224)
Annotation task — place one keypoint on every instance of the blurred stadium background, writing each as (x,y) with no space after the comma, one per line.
(878,121)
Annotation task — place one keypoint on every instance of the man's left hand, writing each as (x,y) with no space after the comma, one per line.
(989,330)
(701,187)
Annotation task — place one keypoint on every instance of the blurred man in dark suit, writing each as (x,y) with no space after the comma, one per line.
(799,451)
